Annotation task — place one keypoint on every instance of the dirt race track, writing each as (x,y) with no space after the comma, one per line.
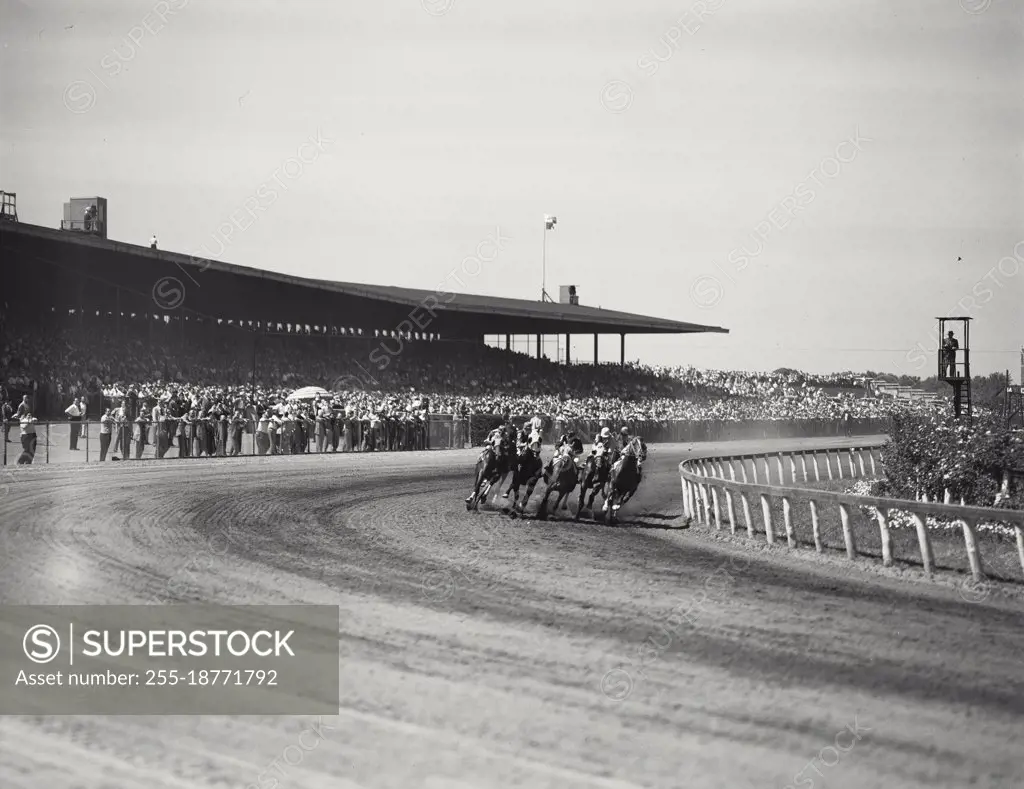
(480,651)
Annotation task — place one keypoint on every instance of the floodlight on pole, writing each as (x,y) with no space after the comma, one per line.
(549,224)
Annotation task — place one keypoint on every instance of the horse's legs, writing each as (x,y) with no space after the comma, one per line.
(513,484)
(494,483)
(529,490)
(480,479)
(474,497)
(583,495)
(542,510)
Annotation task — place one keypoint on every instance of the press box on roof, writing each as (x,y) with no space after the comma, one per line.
(567,294)
(77,219)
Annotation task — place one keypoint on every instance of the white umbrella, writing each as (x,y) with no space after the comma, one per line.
(308,393)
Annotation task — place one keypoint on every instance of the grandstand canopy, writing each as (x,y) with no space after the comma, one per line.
(81,270)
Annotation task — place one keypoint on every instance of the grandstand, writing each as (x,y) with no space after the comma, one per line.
(86,273)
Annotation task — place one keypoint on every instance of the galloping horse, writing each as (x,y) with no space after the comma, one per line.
(562,480)
(492,467)
(624,477)
(528,470)
(595,478)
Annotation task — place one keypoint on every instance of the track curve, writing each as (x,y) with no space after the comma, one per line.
(480,651)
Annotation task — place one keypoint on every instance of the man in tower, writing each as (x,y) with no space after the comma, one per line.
(949,349)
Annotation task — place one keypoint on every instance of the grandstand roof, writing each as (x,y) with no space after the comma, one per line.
(124,266)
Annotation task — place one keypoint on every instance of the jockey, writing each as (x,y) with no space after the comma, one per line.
(603,442)
(626,439)
(529,440)
(495,436)
(569,445)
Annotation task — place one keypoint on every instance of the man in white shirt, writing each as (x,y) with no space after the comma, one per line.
(28,438)
(374,436)
(74,413)
(152,242)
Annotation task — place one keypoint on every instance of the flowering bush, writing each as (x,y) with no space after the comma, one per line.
(928,454)
(902,519)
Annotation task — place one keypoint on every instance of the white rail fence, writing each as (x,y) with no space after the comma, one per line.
(739,480)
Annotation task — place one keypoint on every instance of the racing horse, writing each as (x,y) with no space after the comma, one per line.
(528,470)
(624,477)
(595,479)
(562,480)
(492,466)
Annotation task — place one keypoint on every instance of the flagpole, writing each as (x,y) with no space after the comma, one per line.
(544,262)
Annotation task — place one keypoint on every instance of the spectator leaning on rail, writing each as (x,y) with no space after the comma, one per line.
(28,438)
(106,430)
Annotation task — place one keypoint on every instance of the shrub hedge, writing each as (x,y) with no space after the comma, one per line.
(929,454)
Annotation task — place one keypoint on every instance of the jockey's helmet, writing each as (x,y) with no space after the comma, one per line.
(605,432)
(625,431)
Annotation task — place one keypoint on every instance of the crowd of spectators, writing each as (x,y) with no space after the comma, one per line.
(223,374)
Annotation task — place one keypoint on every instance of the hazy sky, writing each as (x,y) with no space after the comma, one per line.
(805,174)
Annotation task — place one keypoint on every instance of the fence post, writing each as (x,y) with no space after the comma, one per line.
(753,465)
(714,500)
(788,520)
(883,529)
(766,512)
(86,424)
(746,515)
(871,457)
(828,465)
(851,545)
(817,473)
(782,473)
(815,526)
(860,462)
(924,543)
(743,469)
(839,463)
(1020,546)
(48,443)
(731,509)
(973,555)
(686,501)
